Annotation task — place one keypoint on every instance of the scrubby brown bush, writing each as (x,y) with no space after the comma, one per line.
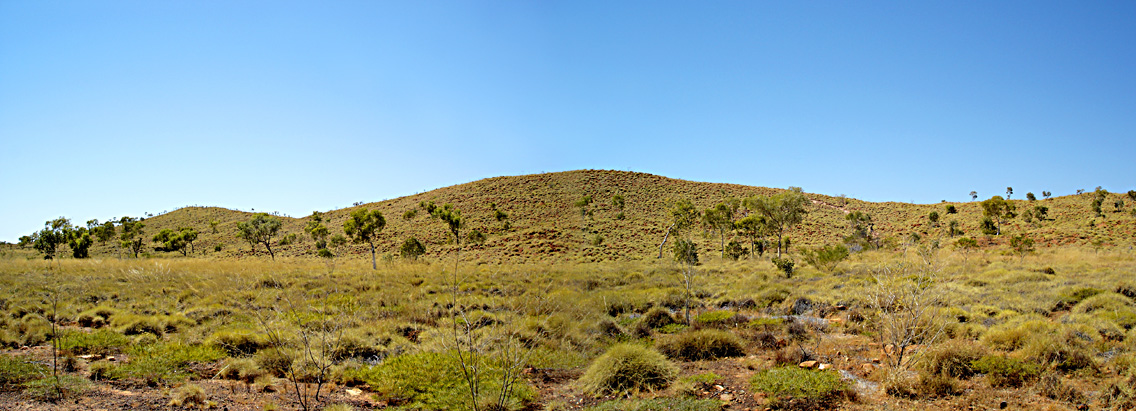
(628,367)
(189,395)
(607,327)
(702,345)
(658,317)
(275,361)
(240,369)
(1051,386)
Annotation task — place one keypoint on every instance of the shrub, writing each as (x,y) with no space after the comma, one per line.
(238,342)
(187,395)
(952,358)
(1072,297)
(104,370)
(628,367)
(702,345)
(659,404)
(351,346)
(162,362)
(240,369)
(658,317)
(15,371)
(275,361)
(1051,386)
(1057,352)
(608,327)
(1003,371)
(795,388)
(52,389)
(100,342)
(938,385)
(718,318)
(430,380)
(95,317)
(785,265)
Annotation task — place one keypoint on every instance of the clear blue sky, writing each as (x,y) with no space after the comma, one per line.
(112,108)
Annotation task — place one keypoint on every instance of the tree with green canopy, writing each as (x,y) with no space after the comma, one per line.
(782,211)
(683,216)
(719,218)
(364,226)
(132,234)
(259,230)
(754,228)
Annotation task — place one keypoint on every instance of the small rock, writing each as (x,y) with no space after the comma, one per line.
(867,368)
(726,397)
(88,357)
(876,360)
(354,392)
(719,387)
(823,367)
(807,364)
(111,358)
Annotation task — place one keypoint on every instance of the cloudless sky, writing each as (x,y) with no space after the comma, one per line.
(112,108)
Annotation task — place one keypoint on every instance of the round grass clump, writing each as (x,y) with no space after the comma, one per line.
(795,388)
(628,367)
(702,345)
(658,317)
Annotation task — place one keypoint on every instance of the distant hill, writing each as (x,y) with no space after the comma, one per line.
(545,225)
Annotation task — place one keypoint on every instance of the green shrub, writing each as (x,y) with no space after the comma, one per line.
(658,317)
(351,346)
(796,388)
(1072,297)
(938,385)
(608,328)
(96,317)
(659,404)
(717,318)
(54,389)
(1057,352)
(702,345)
(953,359)
(165,361)
(15,371)
(626,368)
(105,370)
(1004,371)
(429,380)
(238,342)
(100,342)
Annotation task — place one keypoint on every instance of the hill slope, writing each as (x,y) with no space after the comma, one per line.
(546,225)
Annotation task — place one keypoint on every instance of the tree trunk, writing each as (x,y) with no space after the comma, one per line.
(722,234)
(374,266)
(665,240)
(779,244)
(268,245)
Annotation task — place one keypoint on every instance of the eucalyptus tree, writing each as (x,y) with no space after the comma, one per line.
(364,226)
(260,229)
(782,211)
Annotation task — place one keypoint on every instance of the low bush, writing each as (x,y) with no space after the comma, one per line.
(953,359)
(15,371)
(626,368)
(430,380)
(938,385)
(238,342)
(275,361)
(659,404)
(189,395)
(54,389)
(164,362)
(240,369)
(719,318)
(100,342)
(796,388)
(1051,386)
(1058,352)
(608,328)
(1003,371)
(96,317)
(702,345)
(658,317)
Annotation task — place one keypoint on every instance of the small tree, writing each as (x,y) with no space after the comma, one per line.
(475,236)
(1031,197)
(782,211)
(863,230)
(720,218)
(132,234)
(1009,192)
(686,254)
(80,242)
(175,240)
(412,249)
(973,195)
(997,209)
(1099,196)
(908,300)
(318,232)
(54,233)
(1132,195)
(618,202)
(1021,245)
(754,228)
(966,245)
(934,217)
(259,230)
(1046,194)
(951,209)
(952,228)
(213,226)
(363,226)
(683,216)
(825,258)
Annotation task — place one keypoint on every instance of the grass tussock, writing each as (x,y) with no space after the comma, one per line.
(628,368)
(702,345)
(793,388)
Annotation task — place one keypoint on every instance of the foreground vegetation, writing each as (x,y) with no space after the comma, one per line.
(942,327)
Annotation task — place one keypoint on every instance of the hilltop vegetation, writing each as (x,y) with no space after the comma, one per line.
(545,218)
